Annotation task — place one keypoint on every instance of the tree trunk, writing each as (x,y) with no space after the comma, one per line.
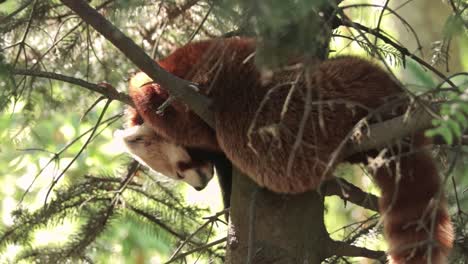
(271,228)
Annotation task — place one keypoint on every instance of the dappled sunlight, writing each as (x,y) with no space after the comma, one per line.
(8,206)
(55,235)
(10,252)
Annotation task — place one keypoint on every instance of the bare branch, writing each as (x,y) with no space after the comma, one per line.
(107,91)
(383,133)
(339,248)
(350,192)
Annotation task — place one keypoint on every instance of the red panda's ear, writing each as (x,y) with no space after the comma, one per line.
(133,118)
(143,89)
(161,92)
(148,97)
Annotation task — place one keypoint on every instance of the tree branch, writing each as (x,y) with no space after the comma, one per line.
(176,86)
(339,248)
(170,230)
(383,133)
(198,249)
(350,192)
(158,222)
(107,91)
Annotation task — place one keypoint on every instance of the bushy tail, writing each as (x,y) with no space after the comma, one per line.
(416,222)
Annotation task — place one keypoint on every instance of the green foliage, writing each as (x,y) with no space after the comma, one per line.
(6,82)
(420,76)
(454,115)
(97,206)
(8,6)
(387,51)
(284,29)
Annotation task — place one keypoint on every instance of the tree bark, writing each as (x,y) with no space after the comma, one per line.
(271,228)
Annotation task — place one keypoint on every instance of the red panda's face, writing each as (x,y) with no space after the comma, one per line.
(165,157)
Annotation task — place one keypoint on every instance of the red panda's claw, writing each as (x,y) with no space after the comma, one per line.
(163,106)
(194,86)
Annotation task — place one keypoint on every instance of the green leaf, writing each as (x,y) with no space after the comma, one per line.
(455,127)
(420,75)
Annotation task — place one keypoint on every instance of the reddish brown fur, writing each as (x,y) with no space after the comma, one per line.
(237,88)
(177,118)
(410,206)
(133,118)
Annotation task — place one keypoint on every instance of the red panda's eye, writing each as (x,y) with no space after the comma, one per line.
(183,166)
(135,140)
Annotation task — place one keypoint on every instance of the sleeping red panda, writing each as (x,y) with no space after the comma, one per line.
(281,131)
(191,165)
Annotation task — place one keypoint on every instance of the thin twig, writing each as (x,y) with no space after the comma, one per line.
(88,140)
(210,220)
(56,155)
(198,249)
(108,91)
(400,48)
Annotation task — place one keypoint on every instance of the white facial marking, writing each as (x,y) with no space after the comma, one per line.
(143,144)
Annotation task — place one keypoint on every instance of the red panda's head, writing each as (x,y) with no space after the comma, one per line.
(148,141)
(165,157)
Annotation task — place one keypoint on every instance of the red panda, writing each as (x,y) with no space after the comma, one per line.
(282,131)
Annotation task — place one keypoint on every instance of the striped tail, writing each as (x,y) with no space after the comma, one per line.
(416,221)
